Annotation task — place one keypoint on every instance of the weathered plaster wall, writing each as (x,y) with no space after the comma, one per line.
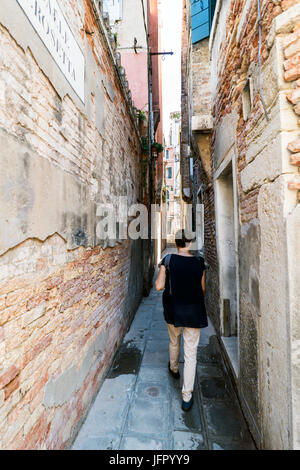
(267,183)
(65,301)
(82,142)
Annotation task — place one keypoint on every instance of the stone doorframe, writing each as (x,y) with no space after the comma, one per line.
(230,343)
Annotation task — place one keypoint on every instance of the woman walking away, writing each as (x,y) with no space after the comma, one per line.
(182,277)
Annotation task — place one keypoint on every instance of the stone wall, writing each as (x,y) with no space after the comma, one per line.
(66,297)
(263,153)
(186,104)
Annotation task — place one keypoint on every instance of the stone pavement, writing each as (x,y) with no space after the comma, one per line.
(139,403)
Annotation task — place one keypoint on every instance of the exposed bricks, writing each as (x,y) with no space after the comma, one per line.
(292,74)
(294,146)
(11,387)
(294,185)
(291,45)
(294,97)
(92,302)
(295,159)
(8,376)
(236,59)
(37,349)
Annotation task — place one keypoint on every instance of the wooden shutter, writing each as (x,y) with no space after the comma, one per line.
(202,12)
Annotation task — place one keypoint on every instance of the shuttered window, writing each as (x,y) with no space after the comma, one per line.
(202,12)
(169,172)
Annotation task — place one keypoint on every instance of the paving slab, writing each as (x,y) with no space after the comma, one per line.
(103,426)
(159,375)
(208,355)
(230,444)
(158,334)
(214,387)
(223,420)
(137,335)
(209,371)
(148,417)
(156,353)
(188,441)
(153,391)
(142,443)
(97,443)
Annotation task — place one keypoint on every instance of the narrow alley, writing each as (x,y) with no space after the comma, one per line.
(129,127)
(139,404)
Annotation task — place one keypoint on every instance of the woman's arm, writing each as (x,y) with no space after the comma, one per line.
(203,283)
(161,279)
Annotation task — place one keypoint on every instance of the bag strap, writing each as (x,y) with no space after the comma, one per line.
(167,262)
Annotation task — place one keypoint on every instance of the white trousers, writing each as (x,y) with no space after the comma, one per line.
(191,338)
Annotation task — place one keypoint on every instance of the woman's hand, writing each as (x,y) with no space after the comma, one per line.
(203,284)
(161,279)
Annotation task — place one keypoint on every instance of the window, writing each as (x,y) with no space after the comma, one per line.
(167,154)
(169,172)
(202,13)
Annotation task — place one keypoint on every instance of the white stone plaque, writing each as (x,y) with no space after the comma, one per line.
(50,24)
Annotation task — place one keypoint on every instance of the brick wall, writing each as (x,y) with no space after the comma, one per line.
(65,299)
(236,59)
(210,249)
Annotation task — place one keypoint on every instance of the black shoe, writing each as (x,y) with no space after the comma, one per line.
(176,375)
(187,405)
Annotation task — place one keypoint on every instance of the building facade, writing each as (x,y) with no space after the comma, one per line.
(242,128)
(172,178)
(70,141)
(137,39)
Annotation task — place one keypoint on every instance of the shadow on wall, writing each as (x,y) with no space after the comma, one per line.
(135,280)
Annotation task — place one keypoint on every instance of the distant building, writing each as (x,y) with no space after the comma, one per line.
(172,178)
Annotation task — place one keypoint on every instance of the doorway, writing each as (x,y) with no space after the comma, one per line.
(227,220)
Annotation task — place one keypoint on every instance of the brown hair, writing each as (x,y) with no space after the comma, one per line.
(183,237)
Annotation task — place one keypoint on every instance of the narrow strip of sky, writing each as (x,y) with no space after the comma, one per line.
(171,14)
